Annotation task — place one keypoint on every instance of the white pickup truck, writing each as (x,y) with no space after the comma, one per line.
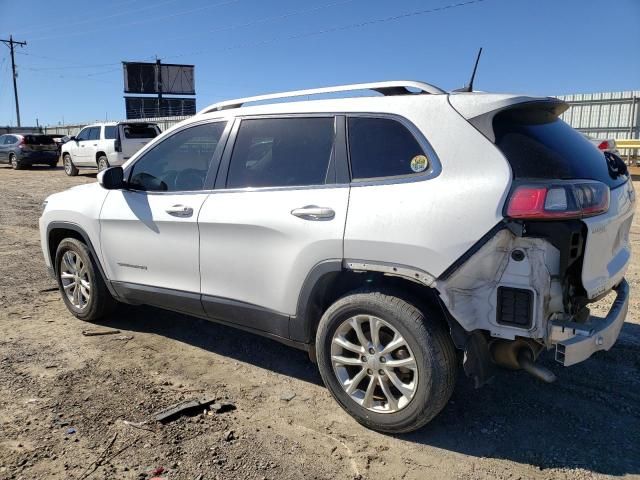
(103,145)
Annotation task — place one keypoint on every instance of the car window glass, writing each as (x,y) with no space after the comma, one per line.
(139,131)
(94,133)
(281,152)
(12,139)
(179,162)
(383,147)
(8,140)
(110,132)
(83,135)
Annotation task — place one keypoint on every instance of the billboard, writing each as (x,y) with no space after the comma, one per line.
(150,107)
(156,77)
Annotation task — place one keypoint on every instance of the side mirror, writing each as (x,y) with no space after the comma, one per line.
(111,178)
(72,138)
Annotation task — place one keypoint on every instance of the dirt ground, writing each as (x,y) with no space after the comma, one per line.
(70,404)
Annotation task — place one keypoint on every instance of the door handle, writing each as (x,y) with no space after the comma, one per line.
(179,211)
(312,212)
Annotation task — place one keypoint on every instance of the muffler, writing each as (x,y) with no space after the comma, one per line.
(520,354)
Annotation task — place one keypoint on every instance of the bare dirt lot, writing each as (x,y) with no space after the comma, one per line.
(70,404)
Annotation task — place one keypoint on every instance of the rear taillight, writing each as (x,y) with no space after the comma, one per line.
(22,144)
(117,146)
(604,145)
(559,200)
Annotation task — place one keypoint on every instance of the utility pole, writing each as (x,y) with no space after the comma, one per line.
(10,43)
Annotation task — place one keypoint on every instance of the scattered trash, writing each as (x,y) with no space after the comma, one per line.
(229,435)
(182,408)
(25,317)
(124,337)
(137,425)
(71,431)
(51,365)
(287,396)
(31,400)
(222,407)
(93,333)
(157,471)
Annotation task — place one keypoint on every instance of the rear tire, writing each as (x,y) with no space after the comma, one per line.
(404,396)
(15,163)
(81,285)
(103,163)
(69,168)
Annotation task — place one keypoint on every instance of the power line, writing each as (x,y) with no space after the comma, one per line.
(351,26)
(96,18)
(146,20)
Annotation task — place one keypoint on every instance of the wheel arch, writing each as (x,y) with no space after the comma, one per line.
(58,231)
(100,154)
(329,280)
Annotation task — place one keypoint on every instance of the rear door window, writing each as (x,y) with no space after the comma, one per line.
(383,147)
(282,152)
(110,132)
(94,133)
(540,146)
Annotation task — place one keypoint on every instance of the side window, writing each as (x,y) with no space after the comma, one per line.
(383,147)
(8,140)
(275,152)
(179,162)
(110,132)
(83,135)
(94,133)
(11,139)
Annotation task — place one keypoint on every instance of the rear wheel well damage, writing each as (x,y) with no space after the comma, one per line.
(319,293)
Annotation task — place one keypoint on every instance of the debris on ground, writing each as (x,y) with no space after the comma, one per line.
(287,396)
(182,408)
(93,333)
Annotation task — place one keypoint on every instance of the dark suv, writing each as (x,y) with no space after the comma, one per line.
(22,150)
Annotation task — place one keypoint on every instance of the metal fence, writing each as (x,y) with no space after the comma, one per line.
(72,129)
(604,115)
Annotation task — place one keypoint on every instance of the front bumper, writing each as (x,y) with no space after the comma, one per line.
(575,342)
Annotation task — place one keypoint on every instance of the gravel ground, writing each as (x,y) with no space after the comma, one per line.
(78,407)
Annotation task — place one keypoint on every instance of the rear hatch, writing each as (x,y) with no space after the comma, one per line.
(39,143)
(134,136)
(542,148)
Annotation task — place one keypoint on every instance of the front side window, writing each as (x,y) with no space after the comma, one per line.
(110,132)
(383,147)
(276,152)
(179,162)
(83,135)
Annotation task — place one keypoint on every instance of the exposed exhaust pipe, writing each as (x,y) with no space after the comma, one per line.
(520,354)
(525,359)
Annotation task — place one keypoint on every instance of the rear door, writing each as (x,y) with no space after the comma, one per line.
(134,136)
(4,141)
(278,210)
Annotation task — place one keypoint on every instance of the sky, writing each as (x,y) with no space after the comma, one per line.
(70,70)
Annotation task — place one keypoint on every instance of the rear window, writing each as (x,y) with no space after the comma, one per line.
(38,140)
(110,133)
(139,131)
(538,145)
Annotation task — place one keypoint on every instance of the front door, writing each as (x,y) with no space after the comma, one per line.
(78,147)
(279,213)
(149,231)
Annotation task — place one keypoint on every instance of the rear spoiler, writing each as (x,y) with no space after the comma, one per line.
(481,109)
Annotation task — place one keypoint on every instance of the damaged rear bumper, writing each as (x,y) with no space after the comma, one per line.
(575,342)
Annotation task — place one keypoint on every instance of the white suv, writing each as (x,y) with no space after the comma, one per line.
(380,233)
(102,145)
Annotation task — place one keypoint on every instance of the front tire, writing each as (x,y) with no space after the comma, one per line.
(81,285)
(390,365)
(15,163)
(69,168)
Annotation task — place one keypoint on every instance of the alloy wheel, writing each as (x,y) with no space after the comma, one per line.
(374,364)
(74,276)
(67,165)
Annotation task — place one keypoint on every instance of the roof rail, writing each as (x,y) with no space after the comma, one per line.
(396,87)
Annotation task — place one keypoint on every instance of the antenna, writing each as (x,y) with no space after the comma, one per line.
(469,86)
